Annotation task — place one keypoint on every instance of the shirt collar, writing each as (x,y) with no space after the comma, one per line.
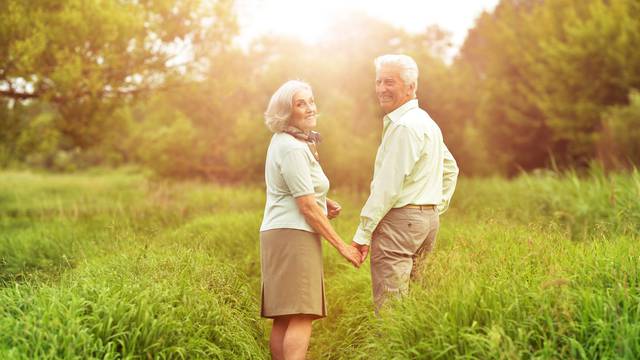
(396,114)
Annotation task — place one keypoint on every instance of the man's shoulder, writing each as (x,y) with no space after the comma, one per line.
(416,119)
(418,123)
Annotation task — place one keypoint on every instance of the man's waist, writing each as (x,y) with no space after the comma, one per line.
(419,206)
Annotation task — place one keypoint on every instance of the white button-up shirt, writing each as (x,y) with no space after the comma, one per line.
(413,166)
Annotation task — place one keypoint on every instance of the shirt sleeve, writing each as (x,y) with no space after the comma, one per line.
(296,173)
(401,152)
(449,179)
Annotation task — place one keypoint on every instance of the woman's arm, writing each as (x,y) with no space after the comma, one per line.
(314,215)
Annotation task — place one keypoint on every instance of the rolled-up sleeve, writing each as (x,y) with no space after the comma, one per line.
(296,173)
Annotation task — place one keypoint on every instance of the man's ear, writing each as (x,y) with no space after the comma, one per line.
(411,88)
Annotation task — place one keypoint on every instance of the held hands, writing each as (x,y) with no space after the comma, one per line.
(351,254)
(363,250)
(333,209)
(356,254)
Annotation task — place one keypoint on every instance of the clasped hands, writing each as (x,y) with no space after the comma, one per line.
(355,253)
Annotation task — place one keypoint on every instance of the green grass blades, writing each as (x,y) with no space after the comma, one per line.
(146,303)
(520,294)
(114,264)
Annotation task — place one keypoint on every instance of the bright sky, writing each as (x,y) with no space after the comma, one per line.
(309,20)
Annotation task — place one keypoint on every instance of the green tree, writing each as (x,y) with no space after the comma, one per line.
(85,57)
(546,71)
(589,60)
(499,50)
(619,141)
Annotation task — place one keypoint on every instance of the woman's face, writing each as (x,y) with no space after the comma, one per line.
(303,115)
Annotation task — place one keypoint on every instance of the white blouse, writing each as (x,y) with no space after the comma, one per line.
(291,171)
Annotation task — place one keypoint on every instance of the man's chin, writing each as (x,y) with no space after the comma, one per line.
(386,108)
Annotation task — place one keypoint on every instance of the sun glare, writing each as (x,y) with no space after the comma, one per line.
(310,20)
(306,20)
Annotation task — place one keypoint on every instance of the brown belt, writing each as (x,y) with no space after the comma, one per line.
(421,207)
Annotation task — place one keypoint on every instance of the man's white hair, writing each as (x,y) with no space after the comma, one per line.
(408,68)
(281,105)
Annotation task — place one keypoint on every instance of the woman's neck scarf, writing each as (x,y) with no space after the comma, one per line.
(312,138)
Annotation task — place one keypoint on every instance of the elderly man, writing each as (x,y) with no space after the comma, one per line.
(413,181)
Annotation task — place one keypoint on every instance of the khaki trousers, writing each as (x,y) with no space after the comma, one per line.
(398,248)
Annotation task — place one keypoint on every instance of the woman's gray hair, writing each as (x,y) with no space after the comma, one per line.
(408,68)
(281,105)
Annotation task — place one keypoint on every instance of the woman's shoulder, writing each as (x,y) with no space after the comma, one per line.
(287,142)
(284,146)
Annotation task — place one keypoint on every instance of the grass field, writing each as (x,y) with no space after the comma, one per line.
(114,265)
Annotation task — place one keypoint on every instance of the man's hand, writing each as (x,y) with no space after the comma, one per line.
(362,249)
(333,209)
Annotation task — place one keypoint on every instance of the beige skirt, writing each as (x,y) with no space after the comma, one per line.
(292,276)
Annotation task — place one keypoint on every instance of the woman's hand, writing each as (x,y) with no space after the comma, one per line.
(351,254)
(333,209)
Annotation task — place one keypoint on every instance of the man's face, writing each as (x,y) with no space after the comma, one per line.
(390,89)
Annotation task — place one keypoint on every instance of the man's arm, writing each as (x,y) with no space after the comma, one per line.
(449,179)
(402,151)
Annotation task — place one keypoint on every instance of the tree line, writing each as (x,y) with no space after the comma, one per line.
(161,83)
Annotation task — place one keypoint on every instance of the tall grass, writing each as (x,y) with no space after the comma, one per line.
(146,303)
(596,206)
(490,297)
(542,266)
(132,280)
(114,265)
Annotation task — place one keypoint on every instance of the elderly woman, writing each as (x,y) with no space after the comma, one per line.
(295,217)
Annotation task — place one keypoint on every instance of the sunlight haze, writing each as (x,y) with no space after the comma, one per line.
(310,20)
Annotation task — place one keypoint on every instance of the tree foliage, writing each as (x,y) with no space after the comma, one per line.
(546,72)
(161,83)
(86,56)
